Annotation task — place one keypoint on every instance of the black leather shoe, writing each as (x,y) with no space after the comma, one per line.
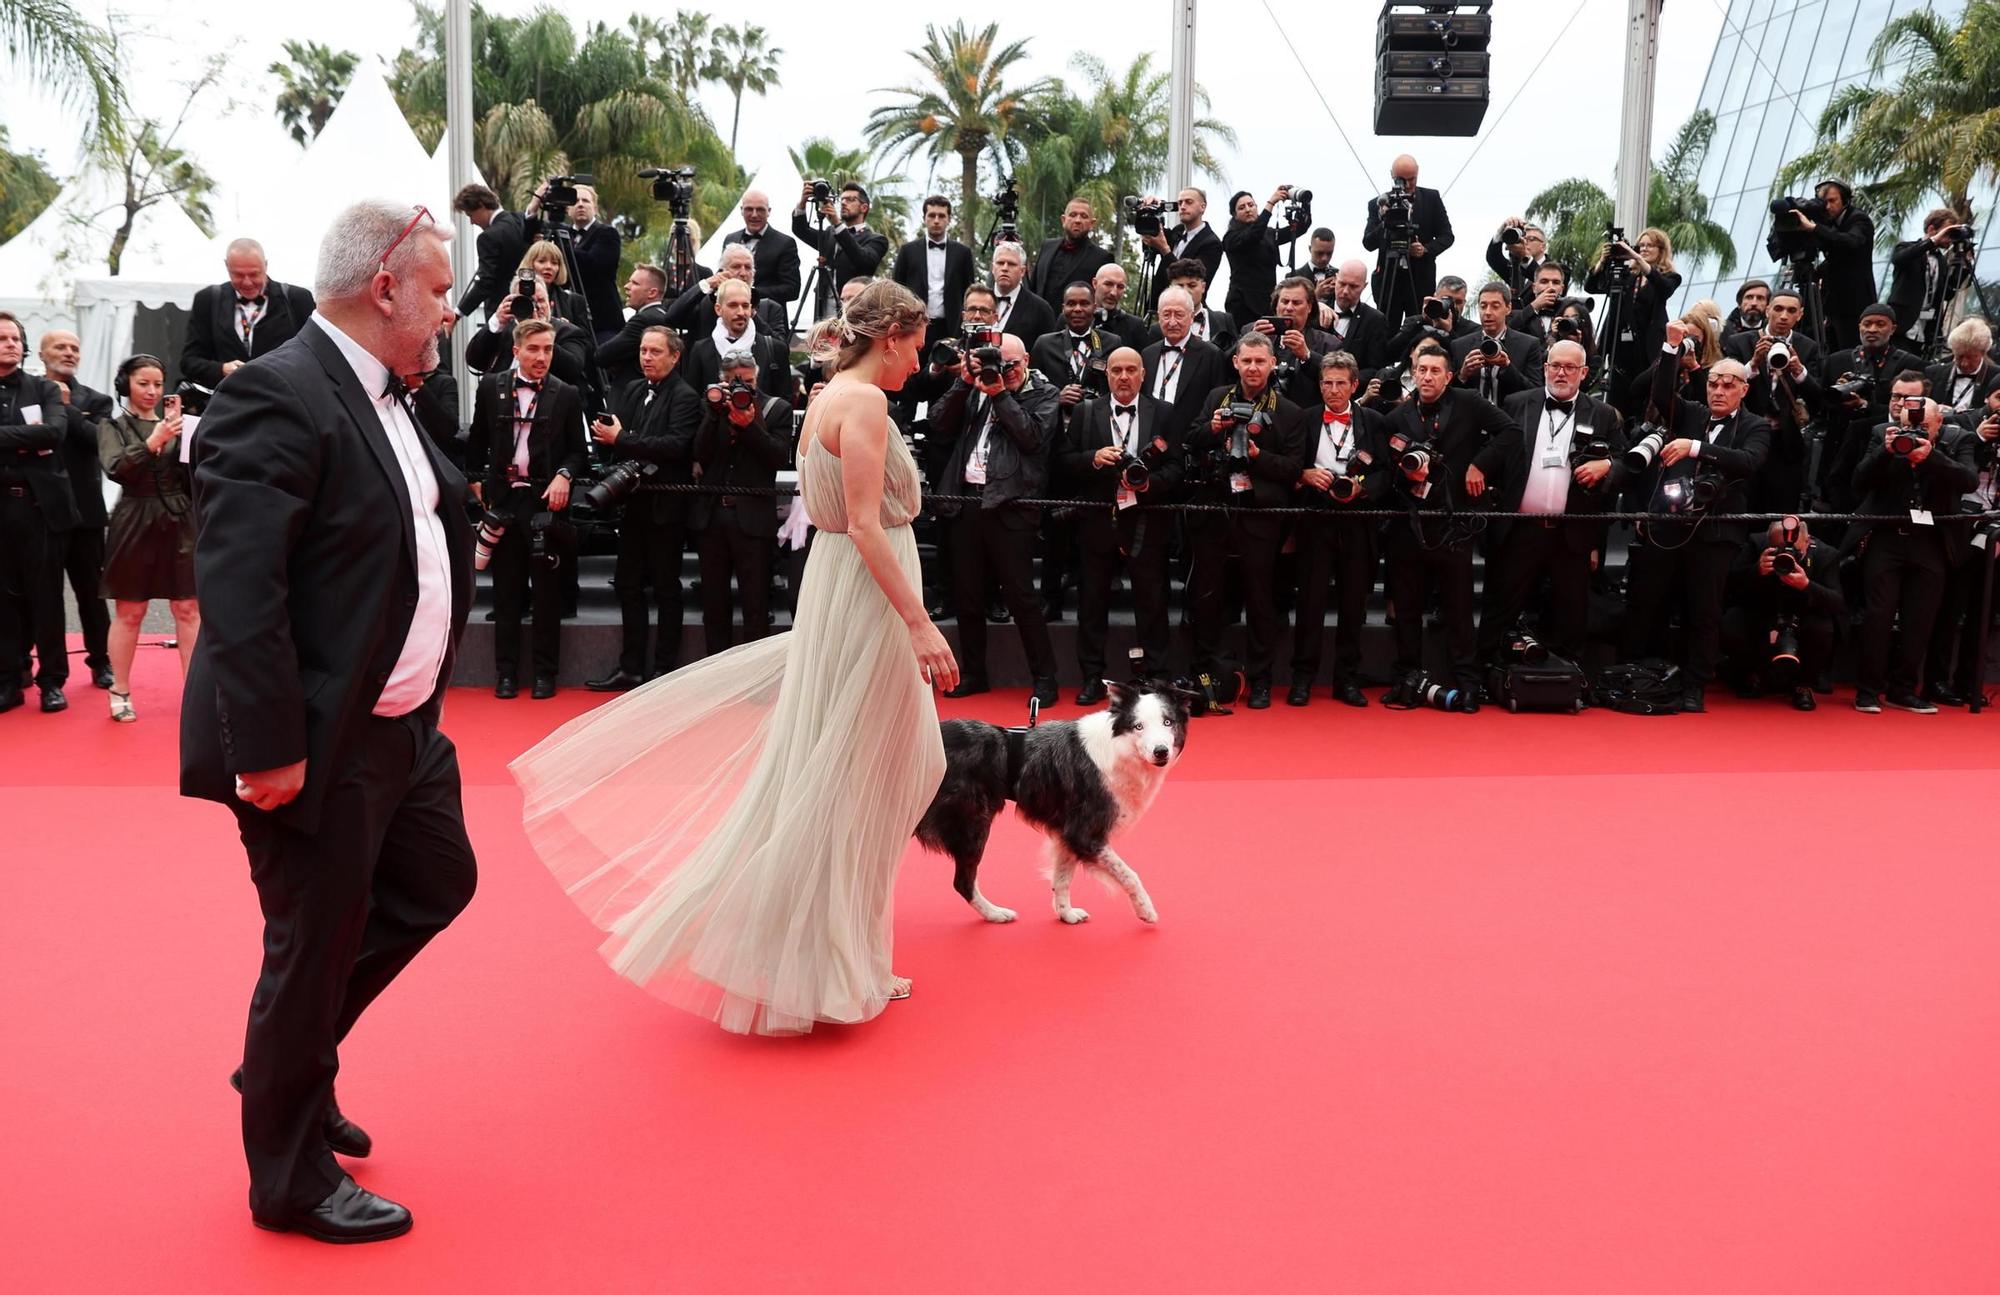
(1944,696)
(1300,695)
(1694,701)
(343,1136)
(1803,699)
(53,700)
(998,614)
(1350,694)
(9,699)
(968,688)
(1046,692)
(545,687)
(348,1216)
(1260,697)
(102,678)
(505,688)
(1092,692)
(616,681)
(940,612)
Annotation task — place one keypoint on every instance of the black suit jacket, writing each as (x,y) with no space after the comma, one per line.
(598,248)
(1941,376)
(1203,369)
(1281,457)
(1741,346)
(1030,317)
(307,573)
(1366,337)
(693,312)
(703,365)
(1888,485)
(1050,355)
(1204,245)
(1907,280)
(852,250)
(775,255)
(501,245)
(1847,265)
(556,442)
(1129,329)
(1060,264)
(34,451)
(746,456)
(1371,437)
(660,432)
(1252,249)
(1518,275)
(1524,372)
(1505,462)
(212,338)
(1430,225)
(619,357)
(1464,427)
(86,409)
(487,351)
(913,271)
(1089,431)
(1018,448)
(1738,455)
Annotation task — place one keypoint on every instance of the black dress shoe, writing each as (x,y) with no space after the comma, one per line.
(1350,694)
(1092,692)
(9,699)
(617,681)
(1046,692)
(53,700)
(102,678)
(1944,696)
(1300,695)
(998,614)
(343,1136)
(1694,701)
(968,688)
(545,687)
(505,688)
(348,1216)
(940,612)
(1260,697)
(1803,699)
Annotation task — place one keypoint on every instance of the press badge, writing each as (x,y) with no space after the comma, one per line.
(1552,459)
(1921,516)
(1126,497)
(1239,482)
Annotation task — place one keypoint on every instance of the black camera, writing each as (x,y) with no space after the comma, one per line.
(1437,310)
(1239,413)
(1435,693)
(737,393)
(1584,450)
(193,398)
(1489,347)
(523,300)
(559,194)
(1904,443)
(947,351)
(1617,261)
(541,552)
(1007,210)
(983,360)
(1790,207)
(1784,562)
(1298,206)
(1959,234)
(1349,484)
(1687,495)
(1145,215)
(1413,454)
(1512,236)
(1851,387)
(1524,648)
(1784,644)
(1566,328)
(1398,223)
(1652,437)
(1136,472)
(617,484)
(492,525)
(822,191)
(673,186)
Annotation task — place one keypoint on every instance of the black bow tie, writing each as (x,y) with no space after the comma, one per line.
(530,383)
(1555,406)
(749,237)
(1124,411)
(938,246)
(250,301)
(1172,346)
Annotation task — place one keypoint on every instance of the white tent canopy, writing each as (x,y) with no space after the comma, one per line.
(72,240)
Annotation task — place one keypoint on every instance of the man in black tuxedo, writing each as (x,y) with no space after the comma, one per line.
(334,568)
(693,312)
(1960,382)
(1319,266)
(1806,593)
(1560,463)
(1921,276)
(1191,239)
(1109,285)
(1782,318)
(744,439)
(1214,326)
(1105,437)
(1514,368)
(491,346)
(1719,445)
(1950,682)
(525,446)
(1073,359)
(1535,312)
(1351,324)
(1853,418)
(847,245)
(1846,239)
(1516,262)
(1437,436)
(1018,309)
(232,323)
(598,249)
(1181,369)
(1337,554)
(36,510)
(775,252)
(1297,345)
(82,546)
(1073,257)
(937,269)
(1430,236)
(1274,444)
(619,357)
(503,240)
(734,330)
(1914,470)
(653,421)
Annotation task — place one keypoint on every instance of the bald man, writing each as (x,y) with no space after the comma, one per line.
(81,549)
(776,252)
(1430,235)
(235,322)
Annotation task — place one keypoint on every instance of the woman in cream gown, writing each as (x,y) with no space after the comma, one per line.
(736,826)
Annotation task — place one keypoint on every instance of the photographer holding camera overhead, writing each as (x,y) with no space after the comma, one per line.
(1640,279)
(1252,248)
(1071,258)
(1845,238)
(1190,239)
(845,242)
(1407,230)
(1515,254)
(1784,598)
(744,439)
(1926,273)
(1914,471)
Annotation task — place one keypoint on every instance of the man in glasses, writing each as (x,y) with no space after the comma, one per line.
(775,252)
(232,323)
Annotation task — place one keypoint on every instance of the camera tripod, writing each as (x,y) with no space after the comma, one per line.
(680,265)
(1958,276)
(819,288)
(563,234)
(1799,277)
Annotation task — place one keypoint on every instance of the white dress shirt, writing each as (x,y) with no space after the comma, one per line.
(1336,441)
(415,676)
(934,270)
(1168,378)
(1548,462)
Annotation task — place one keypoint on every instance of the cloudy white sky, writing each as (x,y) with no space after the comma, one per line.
(1564,123)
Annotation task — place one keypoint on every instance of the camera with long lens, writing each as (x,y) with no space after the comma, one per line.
(1904,443)
(618,484)
(559,195)
(673,186)
(1135,472)
(1145,216)
(983,360)
(1783,641)
(947,351)
(822,192)
(1652,438)
(1617,263)
(1007,210)
(1437,310)
(1851,387)
(1566,328)
(1512,235)
(1489,348)
(492,525)
(1790,207)
(1791,241)
(1523,648)
(1394,210)
(523,300)
(1298,206)
(1778,358)
(1434,693)
(1959,234)
(1784,562)
(736,393)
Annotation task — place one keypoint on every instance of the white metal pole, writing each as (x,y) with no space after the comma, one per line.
(1180,117)
(1635,134)
(458,133)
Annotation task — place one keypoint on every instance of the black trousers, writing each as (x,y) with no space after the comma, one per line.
(83,563)
(1413,572)
(985,545)
(725,551)
(1104,541)
(1059,559)
(649,551)
(1254,542)
(1697,573)
(24,561)
(1529,552)
(516,575)
(345,909)
(1337,556)
(1902,582)
(1957,624)
(1746,646)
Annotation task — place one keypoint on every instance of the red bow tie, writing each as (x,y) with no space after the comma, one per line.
(1345,419)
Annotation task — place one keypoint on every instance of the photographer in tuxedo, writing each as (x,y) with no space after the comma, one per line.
(1515,362)
(1072,359)
(491,347)
(1559,464)
(1252,248)
(1715,447)
(1351,324)
(653,420)
(1515,253)
(1430,237)
(1181,369)
(1071,258)
(774,253)
(1784,309)
(734,330)
(598,249)
(936,268)
(1016,308)
(1856,391)
(846,244)
(334,571)
(744,439)
(80,549)
(1191,239)
(619,357)
(1912,469)
(1436,438)
(997,430)
(524,447)
(503,236)
(694,311)
(1949,681)
(1846,239)
(1297,345)
(36,510)
(232,323)
(1348,454)
(1958,383)
(1542,298)
(1784,597)
(1213,326)
(1109,285)
(1921,278)
(1122,451)
(1251,416)
(1319,265)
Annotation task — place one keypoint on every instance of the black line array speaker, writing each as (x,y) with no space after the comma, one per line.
(1431,67)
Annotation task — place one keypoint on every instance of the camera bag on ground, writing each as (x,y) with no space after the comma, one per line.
(1649,687)
(1552,684)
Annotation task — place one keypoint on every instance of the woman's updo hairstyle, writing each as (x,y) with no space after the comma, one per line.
(878,310)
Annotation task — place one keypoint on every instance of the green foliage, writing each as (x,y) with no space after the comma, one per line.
(26,188)
(740,60)
(51,40)
(313,81)
(150,167)
(1574,212)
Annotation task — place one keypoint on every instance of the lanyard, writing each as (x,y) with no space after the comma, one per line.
(1167,373)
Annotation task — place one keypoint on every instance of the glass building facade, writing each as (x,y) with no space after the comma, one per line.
(1775,66)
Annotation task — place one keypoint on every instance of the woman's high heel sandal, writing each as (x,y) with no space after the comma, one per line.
(121,707)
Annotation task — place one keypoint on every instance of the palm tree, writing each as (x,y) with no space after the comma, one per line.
(26,188)
(740,60)
(314,80)
(79,59)
(820,158)
(151,167)
(1937,131)
(961,105)
(686,47)
(1574,213)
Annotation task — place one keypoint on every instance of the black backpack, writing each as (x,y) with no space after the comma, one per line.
(1649,687)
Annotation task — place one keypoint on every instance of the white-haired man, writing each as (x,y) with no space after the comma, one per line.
(232,323)
(334,565)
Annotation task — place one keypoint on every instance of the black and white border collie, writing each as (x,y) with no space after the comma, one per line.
(1077,781)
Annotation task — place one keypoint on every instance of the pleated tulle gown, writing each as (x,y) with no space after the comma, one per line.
(736,825)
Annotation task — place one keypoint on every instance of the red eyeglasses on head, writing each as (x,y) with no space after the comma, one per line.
(423,215)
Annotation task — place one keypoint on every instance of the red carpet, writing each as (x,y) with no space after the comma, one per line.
(1436,1003)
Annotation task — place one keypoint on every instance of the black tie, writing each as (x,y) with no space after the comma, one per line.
(1124,411)
(1555,406)
(938,246)
(1172,346)
(250,301)
(529,383)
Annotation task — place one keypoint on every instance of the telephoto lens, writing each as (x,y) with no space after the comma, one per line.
(492,525)
(1489,347)
(1784,562)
